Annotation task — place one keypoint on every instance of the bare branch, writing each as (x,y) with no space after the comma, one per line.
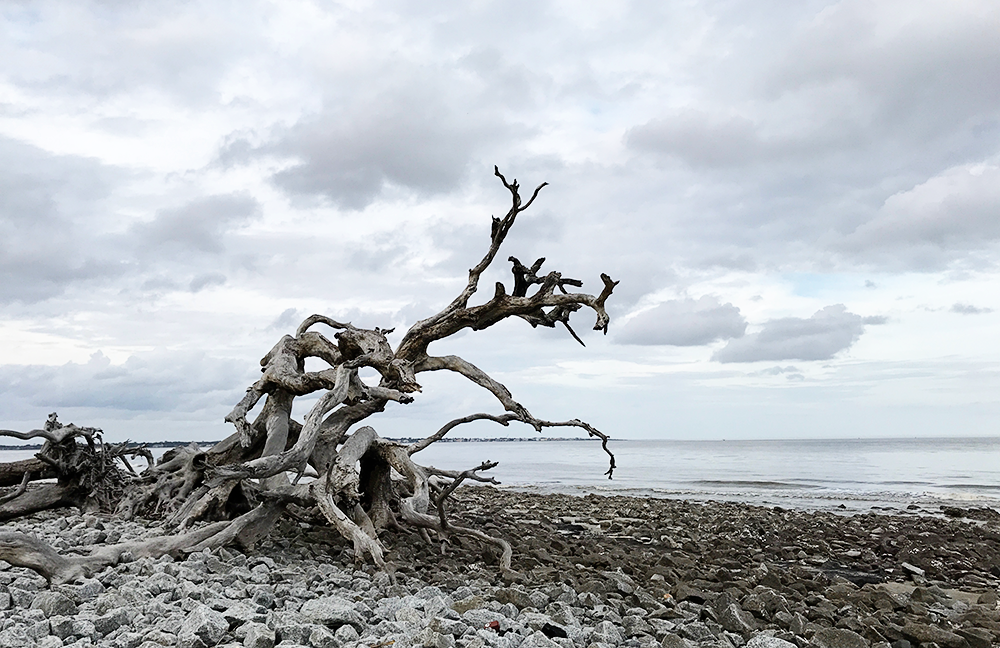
(503,419)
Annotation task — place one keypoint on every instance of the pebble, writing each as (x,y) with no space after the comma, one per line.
(591,572)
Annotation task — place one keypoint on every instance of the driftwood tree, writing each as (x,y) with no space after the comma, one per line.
(356,481)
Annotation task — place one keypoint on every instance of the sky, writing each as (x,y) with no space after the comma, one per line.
(801,201)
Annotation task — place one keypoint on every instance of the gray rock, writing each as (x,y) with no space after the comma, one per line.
(607,632)
(671,640)
(931,634)
(111,621)
(515,596)
(480,618)
(538,640)
(84,627)
(347,633)
(635,625)
(977,637)
(430,638)
(840,638)
(767,641)
(258,635)
(49,642)
(734,619)
(452,627)
(331,611)
(14,637)
(61,626)
(201,628)
(54,604)
(321,637)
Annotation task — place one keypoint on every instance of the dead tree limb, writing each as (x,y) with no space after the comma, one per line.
(235,491)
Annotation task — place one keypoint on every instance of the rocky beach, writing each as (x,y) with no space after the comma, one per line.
(588,572)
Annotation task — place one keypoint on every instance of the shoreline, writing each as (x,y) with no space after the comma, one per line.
(612,571)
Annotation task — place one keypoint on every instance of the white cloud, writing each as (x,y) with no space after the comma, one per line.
(195,177)
(684,322)
(820,337)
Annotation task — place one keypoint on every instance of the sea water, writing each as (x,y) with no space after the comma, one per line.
(851,474)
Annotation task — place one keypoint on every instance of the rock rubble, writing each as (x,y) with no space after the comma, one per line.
(590,572)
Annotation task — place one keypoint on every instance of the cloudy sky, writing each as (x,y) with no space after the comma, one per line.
(800,199)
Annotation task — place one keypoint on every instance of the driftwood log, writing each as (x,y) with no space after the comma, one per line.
(325,468)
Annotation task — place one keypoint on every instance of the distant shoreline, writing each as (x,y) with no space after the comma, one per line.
(209,444)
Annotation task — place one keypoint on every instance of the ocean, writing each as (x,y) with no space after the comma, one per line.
(841,475)
(851,474)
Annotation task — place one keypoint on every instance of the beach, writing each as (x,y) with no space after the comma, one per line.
(589,571)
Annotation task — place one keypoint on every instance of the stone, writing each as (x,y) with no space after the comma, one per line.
(49,642)
(838,638)
(14,637)
(977,637)
(514,596)
(347,633)
(201,628)
(767,641)
(671,640)
(734,619)
(331,611)
(258,635)
(108,623)
(61,626)
(54,604)
(924,633)
(606,632)
(473,602)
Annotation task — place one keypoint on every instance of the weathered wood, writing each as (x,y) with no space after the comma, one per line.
(363,483)
(12,473)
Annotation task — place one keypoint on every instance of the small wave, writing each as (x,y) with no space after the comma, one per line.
(972,487)
(751,484)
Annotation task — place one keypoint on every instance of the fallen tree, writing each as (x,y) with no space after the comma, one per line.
(357,482)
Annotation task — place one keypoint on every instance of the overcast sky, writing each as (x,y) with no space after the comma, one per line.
(800,199)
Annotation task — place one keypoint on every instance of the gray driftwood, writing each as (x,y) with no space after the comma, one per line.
(355,481)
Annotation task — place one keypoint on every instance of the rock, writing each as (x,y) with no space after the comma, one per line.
(472,602)
(606,632)
(201,628)
(61,626)
(512,595)
(977,637)
(685,592)
(54,604)
(14,637)
(912,569)
(734,619)
(259,635)
(538,640)
(331,611)
(924,633)
(671,640)
(49,642)
(108,623)
(838,638)
(347,633)
(767,641)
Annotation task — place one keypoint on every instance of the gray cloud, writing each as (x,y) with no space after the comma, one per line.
(820,337)
(158,381)
(969,309)
(684,322)
(197,227)
(700,139)
(949,213)
(407,130)
(49,205)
